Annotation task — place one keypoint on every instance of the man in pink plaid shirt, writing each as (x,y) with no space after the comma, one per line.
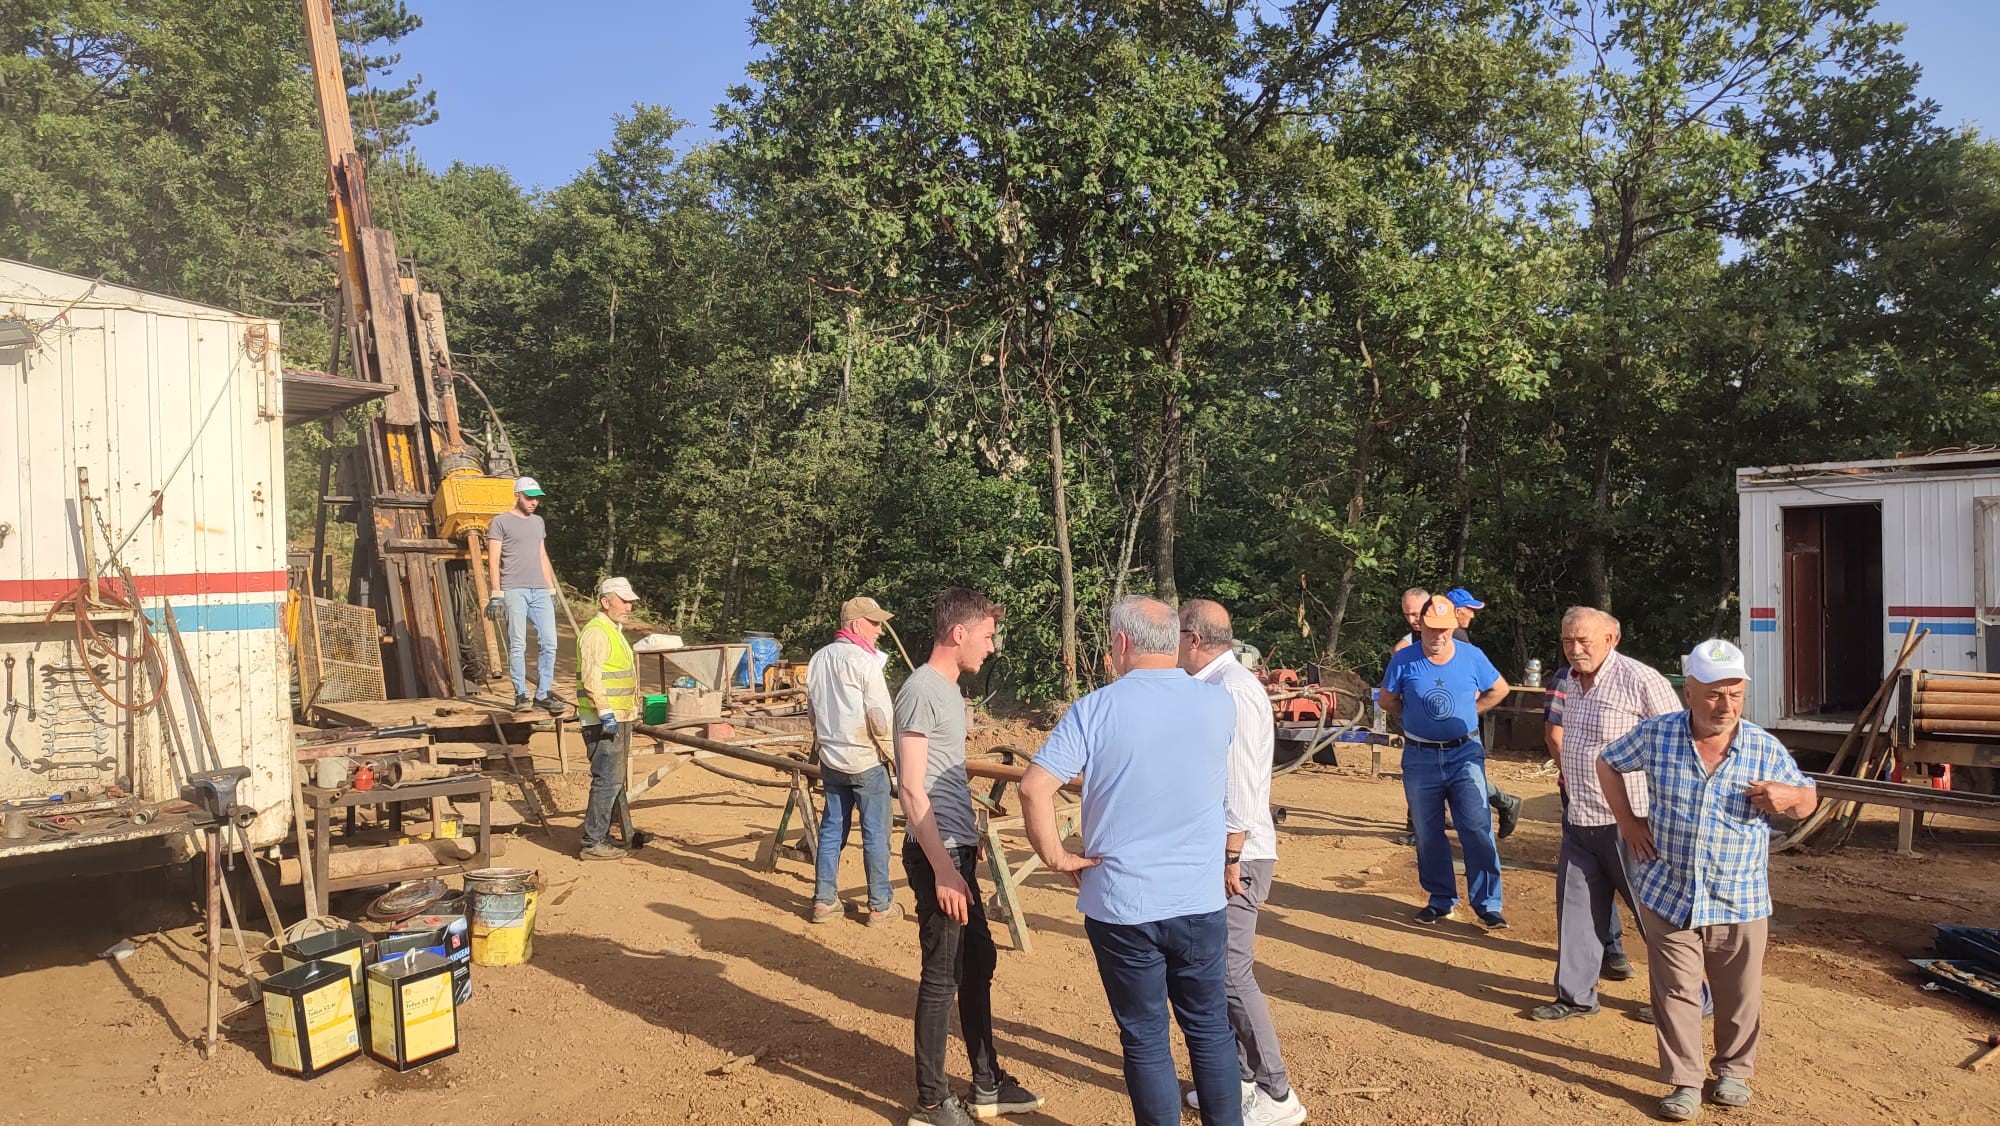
(1604,695)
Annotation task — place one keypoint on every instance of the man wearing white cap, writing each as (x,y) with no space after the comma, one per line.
(853,716)
(1702,869)
(523,585)
(607,683)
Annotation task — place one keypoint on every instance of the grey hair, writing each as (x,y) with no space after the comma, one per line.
(1148,623)
(1420,592)
(1575,614)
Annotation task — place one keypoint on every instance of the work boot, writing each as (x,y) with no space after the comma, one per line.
(1509,808)
(552,704)
(603,850)
(950,1112)
(1617,967)
(1007,1097)
(521,701)
(1559,1010)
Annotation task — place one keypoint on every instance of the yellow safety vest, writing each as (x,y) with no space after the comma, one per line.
(620,674)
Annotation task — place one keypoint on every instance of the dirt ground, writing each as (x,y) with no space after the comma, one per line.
(652,973)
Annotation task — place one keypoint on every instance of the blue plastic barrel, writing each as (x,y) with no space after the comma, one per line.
(764,652)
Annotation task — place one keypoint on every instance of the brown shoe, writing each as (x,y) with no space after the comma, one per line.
(885,916)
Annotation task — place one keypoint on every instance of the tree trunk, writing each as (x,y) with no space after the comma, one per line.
(1464,501)
(1357,501)
(1170,502)
(1597,552)
(1065,563)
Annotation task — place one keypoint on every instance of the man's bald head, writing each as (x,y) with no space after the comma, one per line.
(1207,621)
(1205,634)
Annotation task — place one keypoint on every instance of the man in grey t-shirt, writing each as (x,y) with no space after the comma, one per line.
(523,584)
(940,854)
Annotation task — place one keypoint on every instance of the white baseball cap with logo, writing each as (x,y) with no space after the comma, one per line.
(619,587)
(527,486)
(1715,660)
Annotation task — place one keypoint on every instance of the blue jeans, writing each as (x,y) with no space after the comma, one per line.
(1431,781)
(608,756)
(1181,961)
(537,607)
(867,791)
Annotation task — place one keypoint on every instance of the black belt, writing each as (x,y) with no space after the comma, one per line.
(1451,746)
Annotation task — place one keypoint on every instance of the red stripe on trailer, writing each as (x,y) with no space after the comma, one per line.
(1763,612)
(150,586)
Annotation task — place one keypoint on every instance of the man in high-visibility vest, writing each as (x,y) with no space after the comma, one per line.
(608,701)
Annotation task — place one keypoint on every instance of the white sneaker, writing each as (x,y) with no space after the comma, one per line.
(1260,1109)
(1249,1092)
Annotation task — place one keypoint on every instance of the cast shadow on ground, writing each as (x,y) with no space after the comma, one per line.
(693,996)
(863,985)
(820,967)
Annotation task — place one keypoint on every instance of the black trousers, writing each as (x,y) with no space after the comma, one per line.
(958,962)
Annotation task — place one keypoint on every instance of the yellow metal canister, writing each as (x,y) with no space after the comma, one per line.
(469,500)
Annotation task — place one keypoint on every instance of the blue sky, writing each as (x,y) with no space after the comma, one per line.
(532,87)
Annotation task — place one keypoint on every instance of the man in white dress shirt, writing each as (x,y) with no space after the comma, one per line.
(1206,654)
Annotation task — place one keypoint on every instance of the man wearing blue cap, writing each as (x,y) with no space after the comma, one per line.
(1507,806)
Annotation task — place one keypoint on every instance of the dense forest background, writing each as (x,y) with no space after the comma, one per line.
(1286,304)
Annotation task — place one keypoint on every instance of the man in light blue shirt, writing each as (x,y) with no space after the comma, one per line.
(1153,749)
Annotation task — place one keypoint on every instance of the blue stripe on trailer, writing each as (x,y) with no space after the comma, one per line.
(1763,625)
(1968,629)
(223,617)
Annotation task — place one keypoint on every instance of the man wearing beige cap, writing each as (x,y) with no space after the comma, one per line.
(852,714)
(1702,867)
(607,700)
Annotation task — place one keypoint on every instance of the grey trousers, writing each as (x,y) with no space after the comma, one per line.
(1249,1016)
(1590,869)
(1731,958)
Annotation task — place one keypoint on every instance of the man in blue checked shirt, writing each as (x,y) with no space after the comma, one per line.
(1702,869)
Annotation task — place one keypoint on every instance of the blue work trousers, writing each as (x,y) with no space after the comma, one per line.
(536,607)
(867,793)
(1432,781)
(1182,962)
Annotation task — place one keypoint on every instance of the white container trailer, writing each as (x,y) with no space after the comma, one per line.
(1838,558)
(146,431)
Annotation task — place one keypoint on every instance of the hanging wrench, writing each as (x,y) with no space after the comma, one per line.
(31,688)
(13,705)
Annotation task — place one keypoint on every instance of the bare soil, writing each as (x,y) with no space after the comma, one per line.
(650,975)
